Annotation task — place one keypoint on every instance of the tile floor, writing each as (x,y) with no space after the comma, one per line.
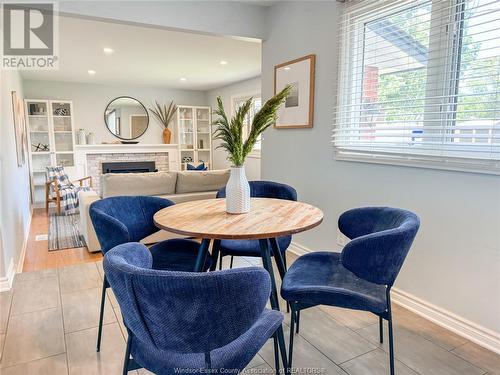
(48,325)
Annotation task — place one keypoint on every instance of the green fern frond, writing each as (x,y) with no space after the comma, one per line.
(231,132)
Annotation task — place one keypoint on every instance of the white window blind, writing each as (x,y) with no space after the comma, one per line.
(256,106)
(419,82)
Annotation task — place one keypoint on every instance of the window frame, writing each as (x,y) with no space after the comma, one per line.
(256,152)
(350,93)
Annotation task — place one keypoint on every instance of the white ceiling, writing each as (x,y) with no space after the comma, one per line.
(149,56)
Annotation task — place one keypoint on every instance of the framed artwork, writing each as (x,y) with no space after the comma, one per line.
(19,128)
(298,110)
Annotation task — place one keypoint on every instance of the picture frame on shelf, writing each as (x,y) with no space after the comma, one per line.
(298,109)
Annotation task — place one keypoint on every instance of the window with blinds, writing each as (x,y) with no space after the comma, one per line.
(419,82)
(256,106)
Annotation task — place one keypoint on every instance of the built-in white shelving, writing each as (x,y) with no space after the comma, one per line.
(51,141)
(194,135)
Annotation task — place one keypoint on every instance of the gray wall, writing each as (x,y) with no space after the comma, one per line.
(90,100)
(14,181)
(455,261)
(247,87)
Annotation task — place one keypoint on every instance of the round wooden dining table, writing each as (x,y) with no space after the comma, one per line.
(268,219)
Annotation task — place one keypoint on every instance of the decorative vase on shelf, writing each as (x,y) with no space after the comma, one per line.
(81,137)
(237,192)
(164,114)
(167,134)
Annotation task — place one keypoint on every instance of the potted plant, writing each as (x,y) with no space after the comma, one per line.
(230,132)
(165,115)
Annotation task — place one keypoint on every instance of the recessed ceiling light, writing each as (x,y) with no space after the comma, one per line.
(91,72)
(108,51)
(223,62)
(287,68)
(183,79)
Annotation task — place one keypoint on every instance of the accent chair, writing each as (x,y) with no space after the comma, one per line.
(119,220)
(185,322)
(251,248)
(362,275)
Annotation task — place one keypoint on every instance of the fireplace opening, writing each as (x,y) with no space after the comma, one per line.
(129,167)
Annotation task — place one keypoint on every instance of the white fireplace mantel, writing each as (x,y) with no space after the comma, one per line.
(81,152)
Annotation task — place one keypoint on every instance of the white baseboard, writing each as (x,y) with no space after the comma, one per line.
(20,262)
(298,249)
(8,279)
(457,324)
(471,331)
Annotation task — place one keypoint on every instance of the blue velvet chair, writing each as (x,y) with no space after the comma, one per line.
(360,277)
(251,248)
(119,220)
(186,322)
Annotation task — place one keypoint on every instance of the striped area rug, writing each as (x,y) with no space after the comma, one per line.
(64,232)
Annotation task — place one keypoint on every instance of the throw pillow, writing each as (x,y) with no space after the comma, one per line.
(199,167)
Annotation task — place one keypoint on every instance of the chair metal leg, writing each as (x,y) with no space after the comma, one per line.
(231,264)
(215,254)
(286,269)
(208,361)
(276,354)
(127,356)
(391,336)
(266,261)
(292,333)
(202,255)
(281,344)
(101,313)
(381,329)
(298,321)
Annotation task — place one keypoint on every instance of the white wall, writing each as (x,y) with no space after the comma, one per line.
(247,87)
(90,101)
(15,211)
(455,261)
(215,17)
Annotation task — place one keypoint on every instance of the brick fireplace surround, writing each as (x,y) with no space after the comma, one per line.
(90,158)
(94,163)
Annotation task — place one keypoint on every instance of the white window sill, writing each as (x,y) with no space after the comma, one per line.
(490,167)
(254,155)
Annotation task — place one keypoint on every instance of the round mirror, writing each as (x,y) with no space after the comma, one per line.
(126,118)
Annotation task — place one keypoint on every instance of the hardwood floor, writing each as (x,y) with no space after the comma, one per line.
(38,257)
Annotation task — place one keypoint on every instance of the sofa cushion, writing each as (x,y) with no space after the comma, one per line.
(150,183)
(195,181)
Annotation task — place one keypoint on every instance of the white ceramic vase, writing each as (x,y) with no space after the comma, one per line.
(81,137)
(237,192)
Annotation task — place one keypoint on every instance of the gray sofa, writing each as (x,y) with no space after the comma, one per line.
(177,186)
